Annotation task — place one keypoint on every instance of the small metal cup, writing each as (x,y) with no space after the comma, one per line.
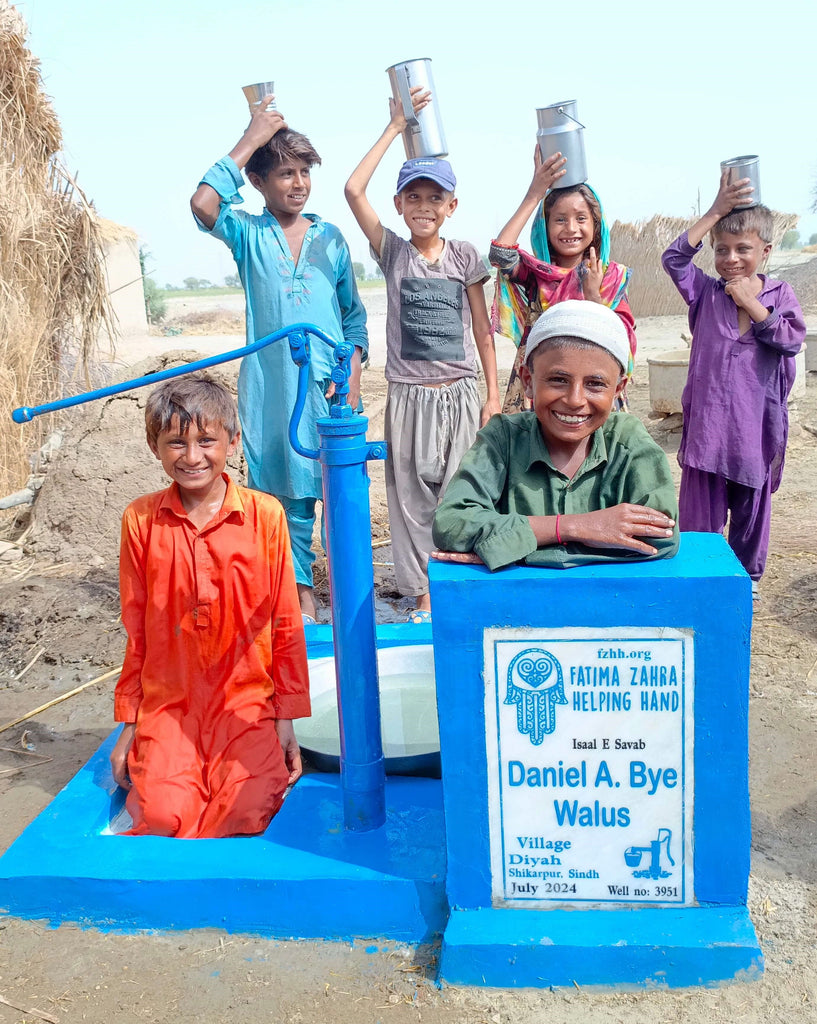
(255,93)
(744,167)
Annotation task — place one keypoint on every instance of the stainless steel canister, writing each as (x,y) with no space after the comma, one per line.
(256,92)
(560,131)
(744,167)
(424,135)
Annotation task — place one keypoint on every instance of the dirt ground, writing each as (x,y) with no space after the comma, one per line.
(59,628)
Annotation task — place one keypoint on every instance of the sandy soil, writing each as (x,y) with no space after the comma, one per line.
(59,603)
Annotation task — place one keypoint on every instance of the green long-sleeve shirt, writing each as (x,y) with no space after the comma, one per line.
(508,475)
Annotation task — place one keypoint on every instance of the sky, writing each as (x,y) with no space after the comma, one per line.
(149,96)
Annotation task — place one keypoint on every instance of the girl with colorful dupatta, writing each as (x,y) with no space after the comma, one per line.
(571,260)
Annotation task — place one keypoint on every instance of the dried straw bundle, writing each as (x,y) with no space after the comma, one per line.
(53,289)
(639,246)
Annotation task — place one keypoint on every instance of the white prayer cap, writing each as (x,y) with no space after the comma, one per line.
(582,318)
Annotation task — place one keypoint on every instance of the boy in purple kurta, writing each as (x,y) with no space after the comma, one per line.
(746,330)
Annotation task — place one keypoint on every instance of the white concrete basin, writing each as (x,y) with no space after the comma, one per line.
(408,711)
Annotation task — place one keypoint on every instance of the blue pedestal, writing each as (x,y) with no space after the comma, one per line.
(702,592)
(306,877)
(625,948)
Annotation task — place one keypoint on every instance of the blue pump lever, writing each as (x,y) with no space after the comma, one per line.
(298,335)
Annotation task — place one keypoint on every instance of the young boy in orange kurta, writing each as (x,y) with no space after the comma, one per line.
(215,667)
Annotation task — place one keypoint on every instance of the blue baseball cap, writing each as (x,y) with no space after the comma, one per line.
(438,171)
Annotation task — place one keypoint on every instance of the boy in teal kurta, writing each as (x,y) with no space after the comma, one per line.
(294,268)
(571,482)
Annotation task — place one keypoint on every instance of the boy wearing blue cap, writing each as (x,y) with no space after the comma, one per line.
(434,289)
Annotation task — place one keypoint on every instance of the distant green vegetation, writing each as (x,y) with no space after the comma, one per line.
(200,287)
(197,293)
(155,305)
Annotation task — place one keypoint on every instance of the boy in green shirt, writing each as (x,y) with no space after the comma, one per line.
(570,482)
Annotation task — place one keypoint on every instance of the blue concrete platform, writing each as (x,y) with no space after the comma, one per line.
(702,591)
(666,948)
(305,877)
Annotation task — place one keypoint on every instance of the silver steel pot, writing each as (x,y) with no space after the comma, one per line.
(560,131)
(424,135)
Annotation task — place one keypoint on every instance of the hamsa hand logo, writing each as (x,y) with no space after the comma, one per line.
(536,686)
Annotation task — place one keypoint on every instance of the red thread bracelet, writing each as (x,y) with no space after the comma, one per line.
(558,535)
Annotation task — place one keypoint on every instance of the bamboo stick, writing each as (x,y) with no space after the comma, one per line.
(31,1011)
(61,698)
(33,661)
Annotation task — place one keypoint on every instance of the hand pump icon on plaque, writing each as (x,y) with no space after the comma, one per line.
(659,856)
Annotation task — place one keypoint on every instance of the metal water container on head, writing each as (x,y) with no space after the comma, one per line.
(424,135)
(560,131)
(744,167)
(256,92)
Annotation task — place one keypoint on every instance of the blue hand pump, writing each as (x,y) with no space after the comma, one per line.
(343,454)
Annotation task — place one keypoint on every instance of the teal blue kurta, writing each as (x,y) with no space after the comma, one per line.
(320,290)
(508,475)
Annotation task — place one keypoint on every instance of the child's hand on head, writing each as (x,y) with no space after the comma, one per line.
(419,99)
(265,123)
(546,172)
(592,276)
(731,194)
(618,527)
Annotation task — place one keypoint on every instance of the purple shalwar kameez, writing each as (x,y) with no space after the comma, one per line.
(735,406)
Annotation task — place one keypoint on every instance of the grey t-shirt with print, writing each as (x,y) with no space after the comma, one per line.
(428,320)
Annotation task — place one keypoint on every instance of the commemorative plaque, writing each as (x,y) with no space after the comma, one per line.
(589,737)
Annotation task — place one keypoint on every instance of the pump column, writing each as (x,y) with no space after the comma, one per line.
(343,455)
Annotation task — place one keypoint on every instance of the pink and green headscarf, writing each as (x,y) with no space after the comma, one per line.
(539,233)
(510,313)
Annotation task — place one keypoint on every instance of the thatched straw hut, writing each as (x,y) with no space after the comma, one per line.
(639,246)
(53,295)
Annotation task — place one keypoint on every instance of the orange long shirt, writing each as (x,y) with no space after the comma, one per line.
(213,619)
